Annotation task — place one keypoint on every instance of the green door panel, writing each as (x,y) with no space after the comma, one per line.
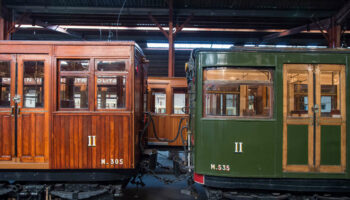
(330,144)
(297,144)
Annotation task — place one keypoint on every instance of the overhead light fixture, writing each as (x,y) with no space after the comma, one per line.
(187,46)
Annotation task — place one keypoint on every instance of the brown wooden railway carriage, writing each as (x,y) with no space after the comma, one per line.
(70,105)
(168,103)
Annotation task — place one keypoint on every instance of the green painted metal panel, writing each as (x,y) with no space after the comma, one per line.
(297,145)
(330,145)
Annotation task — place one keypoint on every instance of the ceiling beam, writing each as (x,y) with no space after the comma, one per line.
(179,12)
(339,17)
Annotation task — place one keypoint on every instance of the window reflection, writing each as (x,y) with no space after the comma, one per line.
(158,101)
(74,65)
(111,65)
(74,92)
(330,93)
(33,84)
(5,84)
(297,97)
(222,100)
(244,92)
(111,92)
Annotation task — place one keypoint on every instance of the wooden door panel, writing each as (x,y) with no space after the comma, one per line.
(32,137)
(6,137)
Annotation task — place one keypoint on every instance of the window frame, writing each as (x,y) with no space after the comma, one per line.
(126,73)
(91,74)
(42,86)
(11,65)
(151,101)
(271,116)
(82,74)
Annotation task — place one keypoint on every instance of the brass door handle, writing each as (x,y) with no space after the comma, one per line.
(18,111)
(13,110)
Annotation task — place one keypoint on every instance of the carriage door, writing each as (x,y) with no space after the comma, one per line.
(7,89)
(24,109)
(314,118)
(31,103)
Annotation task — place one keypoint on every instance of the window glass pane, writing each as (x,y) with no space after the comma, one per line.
(74,65)
(111,66)
(74,92)
(256,100)
(179,100)
(158,101)
(5,84)
(222,99)
(238,92)
(297,93)
(33,84)
(330,93)
(111,92)
(238,75)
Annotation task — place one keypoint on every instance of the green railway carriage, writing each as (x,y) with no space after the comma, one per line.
(270,118)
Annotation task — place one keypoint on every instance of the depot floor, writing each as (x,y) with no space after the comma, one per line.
(156,190)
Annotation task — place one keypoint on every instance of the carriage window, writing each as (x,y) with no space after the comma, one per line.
(33,84)
(73,92)
(180,98)
(158,101)
(111,65)
(240,92)
(297,93)
(330,93)
(74,65)
(5,84)
(111,92)
(73,87)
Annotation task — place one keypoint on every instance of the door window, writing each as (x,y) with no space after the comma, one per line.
(5,84)
(297,93)
(330,94)
(33,84)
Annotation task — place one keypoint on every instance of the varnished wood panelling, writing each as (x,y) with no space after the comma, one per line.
(25,49)
(115,51)
(166,124)
(167,128)
(70,141)
(6,137)
(31,142)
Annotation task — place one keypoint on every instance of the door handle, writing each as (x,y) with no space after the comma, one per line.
(18,111)
(315,109)
(13,110)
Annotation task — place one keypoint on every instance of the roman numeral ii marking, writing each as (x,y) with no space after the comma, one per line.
(92,141)
(238,147)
